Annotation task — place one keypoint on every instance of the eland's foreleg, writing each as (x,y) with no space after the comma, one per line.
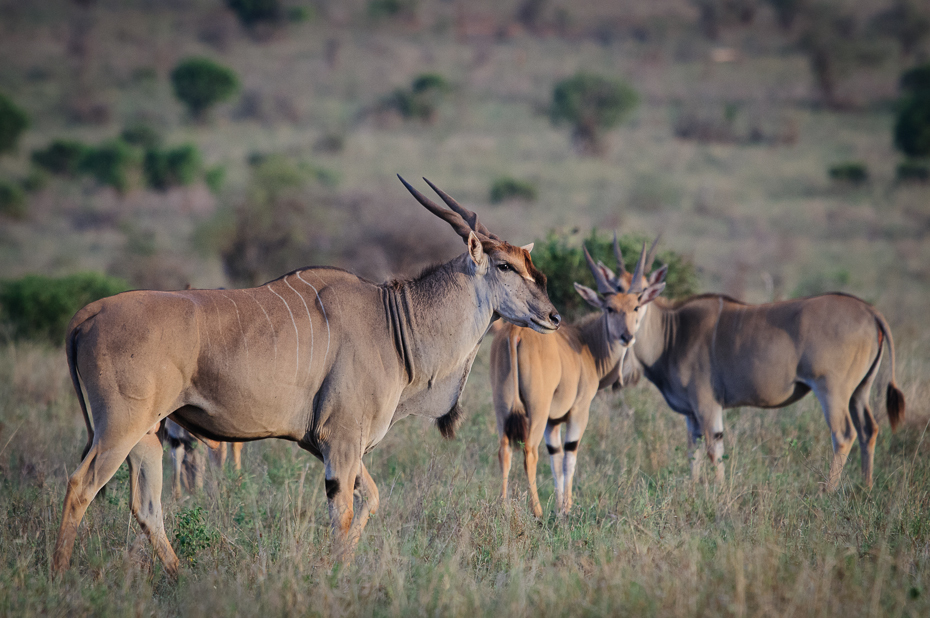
(366,501)
(574,430)
(145,482)
(553,436)
(711,421)
(343,463)
(695,447)
(237,455)
(531,459)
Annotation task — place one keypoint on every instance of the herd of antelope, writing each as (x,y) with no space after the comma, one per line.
(331,361)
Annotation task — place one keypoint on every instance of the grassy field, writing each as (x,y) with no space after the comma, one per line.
(758,221)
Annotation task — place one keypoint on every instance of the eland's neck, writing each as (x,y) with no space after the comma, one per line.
(607,354)
(437,319)
(655,331)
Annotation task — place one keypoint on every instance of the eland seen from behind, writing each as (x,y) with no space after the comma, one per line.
(541,382)
(319,356)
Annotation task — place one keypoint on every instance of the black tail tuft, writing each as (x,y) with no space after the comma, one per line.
(894,401)
(515,427)
(449,422)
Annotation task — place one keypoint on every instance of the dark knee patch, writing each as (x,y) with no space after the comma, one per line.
(332,488)
(571,446)
(718,435)
(553,450)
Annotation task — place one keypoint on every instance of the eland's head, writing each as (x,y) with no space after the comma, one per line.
(623,298)
(504,274)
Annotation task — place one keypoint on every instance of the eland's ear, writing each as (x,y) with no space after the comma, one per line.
(658,275)
(528,248)
(650,293)
(590,296)
(475,250)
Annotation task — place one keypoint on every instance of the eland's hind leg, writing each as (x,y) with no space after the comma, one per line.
(574,430)
(145,481)
(505,458)
(836,411)
(237,455)
(866,427)
(108,451)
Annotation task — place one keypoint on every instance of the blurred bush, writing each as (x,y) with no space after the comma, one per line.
(912,123)
(592,105)
(62,157)
(509,188)
(561,258)
(40,307)
(171,167)
(13,121)
(380,9)
(714,15)
(12,200)
(200,84)
(141,135)
(421,101)
(852,172)
(915,82)
(787,11)
(254,12)
(110,163)
(913,171)
(214,178)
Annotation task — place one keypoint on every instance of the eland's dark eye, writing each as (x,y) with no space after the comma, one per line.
(637,309)
(504,267)
(610,310)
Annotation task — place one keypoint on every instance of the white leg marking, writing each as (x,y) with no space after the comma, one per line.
(296,332)
(322,308)
(309,319)
(274,335)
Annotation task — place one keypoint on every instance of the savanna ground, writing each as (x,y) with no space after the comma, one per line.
(758,220)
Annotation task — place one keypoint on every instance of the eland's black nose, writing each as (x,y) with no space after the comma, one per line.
(555,318)
(626,338)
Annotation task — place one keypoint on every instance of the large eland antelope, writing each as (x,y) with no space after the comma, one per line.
(540,382)
(319,356)
(711,352)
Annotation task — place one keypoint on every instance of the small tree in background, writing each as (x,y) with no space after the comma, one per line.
(171,167)
(252,13)
(829,40)
(714,15)
(422,100)
(13,121)
(200,84)
(62,157)
(562,259)
(592,105)
(912,124)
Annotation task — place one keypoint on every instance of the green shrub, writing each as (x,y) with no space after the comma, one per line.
(787,11)
(254,12)
(35,180)
(215,177)
(912,126)
(853,172)
(562,260)
(506,188)
(12,200)
(110,163)
(913,171)
(422,100)
(916,81)
(40,307)
(13,121)
(62,157)
(379,9)
(141,135)
(172,167)
(193,533)
(591,104)
(200,84)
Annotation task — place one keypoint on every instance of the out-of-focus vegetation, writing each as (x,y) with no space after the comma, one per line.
(509,188)
(591,104)
(40,307)
(12,200)
(201,83)
(561,257)
(13,121)
(854,172)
